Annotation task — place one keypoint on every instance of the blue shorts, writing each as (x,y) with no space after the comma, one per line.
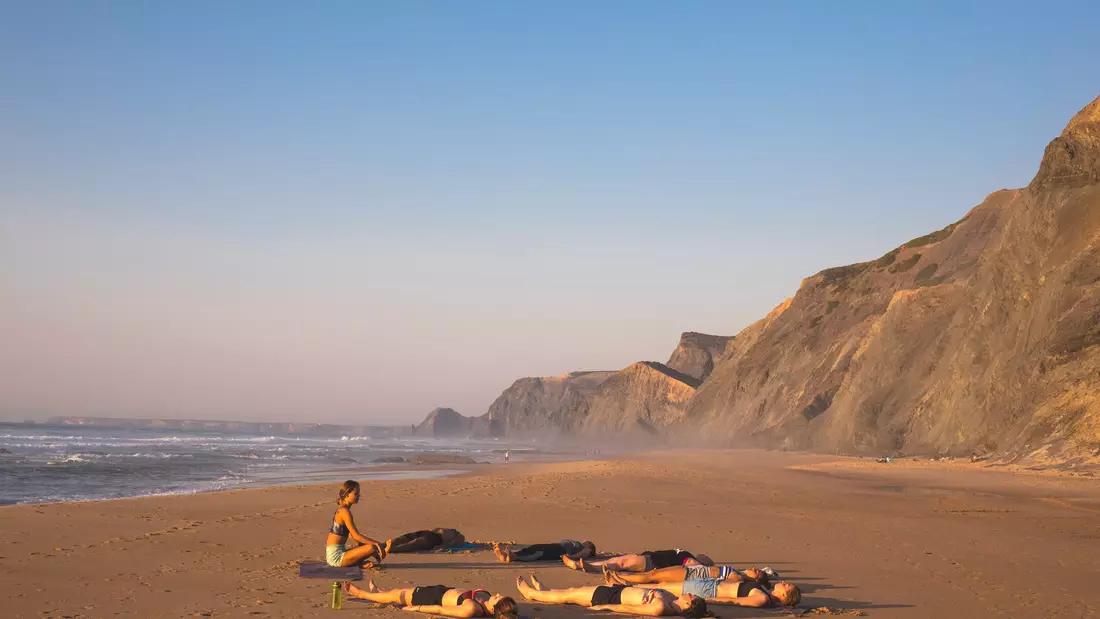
(702,587)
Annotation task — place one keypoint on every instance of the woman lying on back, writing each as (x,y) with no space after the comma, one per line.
(565,549)
(645,562)
(618,598)
(440,600)
(691,572)
(736,593)
(425,540)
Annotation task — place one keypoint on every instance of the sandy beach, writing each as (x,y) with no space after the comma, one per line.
(887,540)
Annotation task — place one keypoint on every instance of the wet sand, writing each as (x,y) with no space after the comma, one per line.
(890,540)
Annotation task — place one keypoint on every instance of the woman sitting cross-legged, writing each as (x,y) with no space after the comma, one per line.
(647,561)
(691,572)
(337,553)
(565,549)
(736,593)
(440,600)
(618,598)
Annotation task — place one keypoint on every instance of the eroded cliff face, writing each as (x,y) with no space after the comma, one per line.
(646,398)
(696,353)
(545,405)
(981,337)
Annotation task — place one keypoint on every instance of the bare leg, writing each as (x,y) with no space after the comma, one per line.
(667,574)
(581,596)
(361,554)
(621,563)
(371,593)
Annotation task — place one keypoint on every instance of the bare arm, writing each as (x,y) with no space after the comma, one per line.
(751,601)
(354,533)
(465,610)
(651,610)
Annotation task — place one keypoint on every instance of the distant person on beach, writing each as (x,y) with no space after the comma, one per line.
(426,540)
(645,562)
(507,456)
(567,548)
(440,600)
(735,593)
(691,572)
(337,554)
(618,599)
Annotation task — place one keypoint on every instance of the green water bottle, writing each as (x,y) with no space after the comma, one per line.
(337,597)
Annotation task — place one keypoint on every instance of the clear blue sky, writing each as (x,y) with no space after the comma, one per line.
(353,211)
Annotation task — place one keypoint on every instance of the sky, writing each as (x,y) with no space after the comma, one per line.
(355,212)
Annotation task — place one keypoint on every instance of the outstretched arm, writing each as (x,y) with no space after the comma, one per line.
(354,533)
(650,610)
(464,611)
(752,601)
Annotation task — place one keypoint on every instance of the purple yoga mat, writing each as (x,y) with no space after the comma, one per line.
(316,569)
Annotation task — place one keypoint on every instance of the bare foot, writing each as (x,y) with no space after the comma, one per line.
(502,555)
(580,562)
(389,546)
(536,583)
(523,587)
(370,586)
(607,576)
(571,564)
(352,590)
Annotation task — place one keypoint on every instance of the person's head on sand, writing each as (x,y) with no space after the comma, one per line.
(502,607)
(349,493)
(591,546)
(786,593)
(692,606)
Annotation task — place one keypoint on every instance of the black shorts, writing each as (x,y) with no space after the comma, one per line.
(429,596)
(657,559)
(608,595)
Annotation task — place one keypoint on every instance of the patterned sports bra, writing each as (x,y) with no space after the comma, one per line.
(340,529)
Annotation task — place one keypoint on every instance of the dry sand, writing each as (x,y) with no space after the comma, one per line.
(890,541)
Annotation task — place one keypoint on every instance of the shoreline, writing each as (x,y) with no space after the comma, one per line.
(399,472)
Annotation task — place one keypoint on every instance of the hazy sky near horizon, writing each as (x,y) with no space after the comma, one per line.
(358,211)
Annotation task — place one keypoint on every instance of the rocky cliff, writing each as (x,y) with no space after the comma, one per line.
(545,405)
(980,337)
(448,423)
(696,353)
(645,398)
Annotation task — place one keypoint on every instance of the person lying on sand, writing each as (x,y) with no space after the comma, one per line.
(736,593)
(425,540)
(691,572)
(618,598)
(440,600)
(645,562)
(567,548)
(337,554)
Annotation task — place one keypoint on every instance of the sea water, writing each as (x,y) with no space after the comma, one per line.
(49,463)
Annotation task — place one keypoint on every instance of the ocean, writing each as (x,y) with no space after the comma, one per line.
(44,463)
